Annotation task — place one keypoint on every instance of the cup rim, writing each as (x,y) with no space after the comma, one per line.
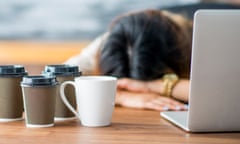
(62,70)
(96,78)
(38,81)
(12,71)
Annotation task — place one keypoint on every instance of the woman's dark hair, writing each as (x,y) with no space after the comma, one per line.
(145,45)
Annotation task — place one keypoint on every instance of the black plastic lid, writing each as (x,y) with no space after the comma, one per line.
(62,70)
(39,80)
(12,70)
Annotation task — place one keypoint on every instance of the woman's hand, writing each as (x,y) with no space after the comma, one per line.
(151,101)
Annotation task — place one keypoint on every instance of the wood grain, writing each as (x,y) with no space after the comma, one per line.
(34,55)
(38,52)
(129,126)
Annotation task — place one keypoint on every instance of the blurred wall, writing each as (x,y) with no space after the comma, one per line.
(66,19)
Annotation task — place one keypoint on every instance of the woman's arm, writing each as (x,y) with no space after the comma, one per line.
(180,91)
(86,60)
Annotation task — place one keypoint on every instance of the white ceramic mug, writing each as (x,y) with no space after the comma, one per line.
(95,97)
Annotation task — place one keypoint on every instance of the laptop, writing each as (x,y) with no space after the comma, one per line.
(214,98)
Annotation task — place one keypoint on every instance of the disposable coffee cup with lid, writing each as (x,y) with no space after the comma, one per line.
(11,102)
(64,72)
(39,95)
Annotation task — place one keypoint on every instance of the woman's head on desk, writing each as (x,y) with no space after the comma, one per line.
(141,49)
(147,44)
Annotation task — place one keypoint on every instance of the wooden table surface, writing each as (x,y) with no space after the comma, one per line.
(129,126)
(37,52)
(34,55)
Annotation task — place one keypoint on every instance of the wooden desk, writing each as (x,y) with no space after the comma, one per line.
(129,126)
(38,52)
(34,55)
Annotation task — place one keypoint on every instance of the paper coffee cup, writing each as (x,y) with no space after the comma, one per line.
(11,102)
(39,95)
(63,73)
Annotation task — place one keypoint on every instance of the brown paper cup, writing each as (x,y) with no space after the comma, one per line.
(39,96)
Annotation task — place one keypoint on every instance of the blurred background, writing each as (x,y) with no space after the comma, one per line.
(35,33)
(70,19)
(67,19)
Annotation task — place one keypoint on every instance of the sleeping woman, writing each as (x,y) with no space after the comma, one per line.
(149,52)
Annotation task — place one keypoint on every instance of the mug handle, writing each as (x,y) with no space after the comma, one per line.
(63,96)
